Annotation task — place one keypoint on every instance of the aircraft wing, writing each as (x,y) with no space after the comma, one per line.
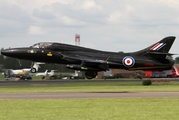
(87,61)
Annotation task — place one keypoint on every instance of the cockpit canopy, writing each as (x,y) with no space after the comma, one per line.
(42,45)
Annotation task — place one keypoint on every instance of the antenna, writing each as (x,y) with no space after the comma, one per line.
(77,43)
(77,39)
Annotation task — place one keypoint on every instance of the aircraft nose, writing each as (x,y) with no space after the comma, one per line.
(7,52)
(11,52)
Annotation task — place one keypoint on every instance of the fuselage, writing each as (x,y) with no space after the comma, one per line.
(56,53)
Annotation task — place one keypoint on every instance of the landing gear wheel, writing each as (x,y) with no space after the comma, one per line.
(33,70)
(90,75)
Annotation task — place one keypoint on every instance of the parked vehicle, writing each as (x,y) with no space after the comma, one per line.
(137,74)
(73,77)
(174,72)
(115,76)
(24,77)
(9,75)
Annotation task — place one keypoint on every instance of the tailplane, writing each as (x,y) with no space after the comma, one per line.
(175,71)
(159,49)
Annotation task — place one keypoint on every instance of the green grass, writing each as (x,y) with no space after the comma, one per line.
(95,87)
(91,109)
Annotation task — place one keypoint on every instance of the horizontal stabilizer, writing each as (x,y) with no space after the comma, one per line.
(160,53)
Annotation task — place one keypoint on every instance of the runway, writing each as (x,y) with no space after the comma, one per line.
(75,95)
(88,95)
(57,82)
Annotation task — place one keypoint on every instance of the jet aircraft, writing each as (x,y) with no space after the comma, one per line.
(42,73)
(154,57)
(51,73)
(33,69)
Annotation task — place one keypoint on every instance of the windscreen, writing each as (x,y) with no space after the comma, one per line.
(41,45)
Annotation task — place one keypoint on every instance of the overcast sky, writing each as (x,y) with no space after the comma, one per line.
(110,25)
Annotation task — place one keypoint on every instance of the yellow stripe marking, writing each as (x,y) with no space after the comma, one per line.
(50,54)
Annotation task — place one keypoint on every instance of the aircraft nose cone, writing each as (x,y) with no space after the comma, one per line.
(6,52)
(12,52)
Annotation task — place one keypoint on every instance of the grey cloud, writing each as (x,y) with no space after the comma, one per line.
(89,16)
(42,14)
(13,20)
(55,16)
(14,12)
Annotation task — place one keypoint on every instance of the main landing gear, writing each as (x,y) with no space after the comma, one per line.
(90,75)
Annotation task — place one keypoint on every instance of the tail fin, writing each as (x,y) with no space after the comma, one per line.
(163,46)
(159,49)
(46,72)
(175,71)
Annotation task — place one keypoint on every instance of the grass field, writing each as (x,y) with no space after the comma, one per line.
(91,109)
(94,108)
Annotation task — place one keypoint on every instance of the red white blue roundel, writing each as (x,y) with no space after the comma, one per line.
(128,61)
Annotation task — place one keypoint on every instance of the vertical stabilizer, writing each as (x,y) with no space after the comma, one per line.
(159,49)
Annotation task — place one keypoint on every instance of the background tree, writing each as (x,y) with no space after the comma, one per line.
(177,60)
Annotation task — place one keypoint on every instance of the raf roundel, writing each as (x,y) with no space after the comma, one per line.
(128,61)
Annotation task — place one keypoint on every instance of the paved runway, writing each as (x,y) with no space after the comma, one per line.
(78,95)
(88,95)
(57,82)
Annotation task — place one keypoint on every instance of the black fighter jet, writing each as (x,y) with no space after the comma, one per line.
(154,57)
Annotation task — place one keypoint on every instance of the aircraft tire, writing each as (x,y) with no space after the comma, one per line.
(33,70)
(90,75)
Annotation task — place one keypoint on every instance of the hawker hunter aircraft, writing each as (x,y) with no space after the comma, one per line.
(154,57)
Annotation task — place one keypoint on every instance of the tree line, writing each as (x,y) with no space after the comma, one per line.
(177,60)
